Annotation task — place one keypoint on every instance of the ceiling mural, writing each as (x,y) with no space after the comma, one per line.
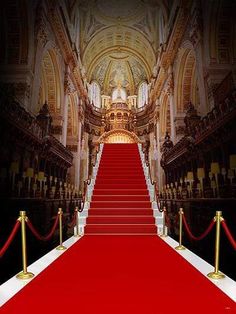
(119,42)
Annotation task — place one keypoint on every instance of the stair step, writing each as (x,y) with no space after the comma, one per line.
(120,220)
(113,198)
(120,204)
(89,229)
(120,186)
(120,212)
(108,191)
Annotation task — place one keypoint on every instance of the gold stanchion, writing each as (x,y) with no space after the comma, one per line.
(77,223)
(61,246)
(216,274)
(24,274)
(180,246)
(163,235)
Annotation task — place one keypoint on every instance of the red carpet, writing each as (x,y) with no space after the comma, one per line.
(120,202)
(123,275)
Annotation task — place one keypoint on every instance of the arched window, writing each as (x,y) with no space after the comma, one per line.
(142,94)
(119,94)
(95,94)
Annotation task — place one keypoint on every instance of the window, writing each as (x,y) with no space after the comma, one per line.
(119,93)
(142,94)
(95,94)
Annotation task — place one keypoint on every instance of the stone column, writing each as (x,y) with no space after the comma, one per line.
(77,156)
(65,119)
(170,92)
(65,107)
(159,168)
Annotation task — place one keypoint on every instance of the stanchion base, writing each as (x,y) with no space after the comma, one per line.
(23,275)
(61,248)
(180,248)
(216,275)
(163,235)
(77,235)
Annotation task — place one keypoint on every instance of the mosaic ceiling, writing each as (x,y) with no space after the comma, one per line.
(119,41)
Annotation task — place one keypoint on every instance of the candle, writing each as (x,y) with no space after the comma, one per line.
(200,173)
(41,176)
(215,168)
(30,172)
(190,176)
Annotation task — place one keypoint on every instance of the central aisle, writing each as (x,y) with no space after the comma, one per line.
(120,274)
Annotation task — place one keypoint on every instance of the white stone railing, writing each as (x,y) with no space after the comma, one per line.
(151,189)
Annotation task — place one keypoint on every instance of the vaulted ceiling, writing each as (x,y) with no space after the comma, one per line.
(119,41)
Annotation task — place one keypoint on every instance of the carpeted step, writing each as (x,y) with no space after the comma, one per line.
(120,204)
(102,220)
(121,186)
(120,212)
(97,191)
(120,228)
(113,198)
(120,180)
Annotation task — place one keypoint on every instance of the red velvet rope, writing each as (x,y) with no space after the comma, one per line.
(37,235)
(228,234)
(73,222)
(202,236)
(10,238)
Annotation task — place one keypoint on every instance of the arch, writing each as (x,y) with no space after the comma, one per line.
(50,89)
(186,89)
(127,40)
(119,136)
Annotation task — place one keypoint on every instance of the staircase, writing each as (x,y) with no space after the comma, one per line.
(120,203)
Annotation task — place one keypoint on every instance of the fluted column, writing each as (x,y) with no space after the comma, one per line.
(170,92)
(159,168)
(78,156)
(65,120)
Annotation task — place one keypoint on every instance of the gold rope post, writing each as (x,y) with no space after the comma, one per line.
(77,222)
(24,274)
(163,235)
(61,246)
(180,246)
(216,274)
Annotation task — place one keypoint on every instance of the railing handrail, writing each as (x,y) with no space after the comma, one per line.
(88,181)
(153,182)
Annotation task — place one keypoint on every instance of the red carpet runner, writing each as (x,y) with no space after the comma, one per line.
(120,275)
(120,202)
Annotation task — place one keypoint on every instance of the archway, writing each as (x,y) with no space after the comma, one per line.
(119,136)
(187,89)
